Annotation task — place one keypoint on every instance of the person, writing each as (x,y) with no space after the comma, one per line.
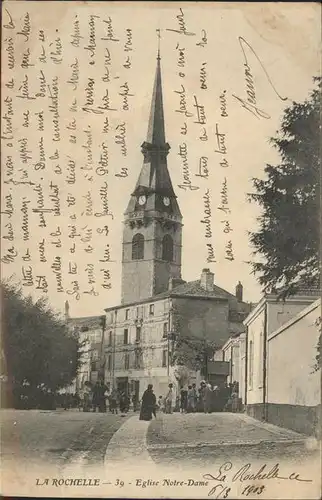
(225,396)
(208,397)
(148,404)
(96,396)
(183,400)
(113,401)
(234,401)
(206,394)
(87,397)
(161,403)
(169,399)
(135,402)
(127,401)
(194,389)
(190,399)
(200,407)
(122,402)
(216,399)
(102,397)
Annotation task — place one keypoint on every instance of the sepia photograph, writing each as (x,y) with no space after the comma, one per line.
(160,249)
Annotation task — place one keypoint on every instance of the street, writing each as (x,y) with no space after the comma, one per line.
(56,437)
(72,442)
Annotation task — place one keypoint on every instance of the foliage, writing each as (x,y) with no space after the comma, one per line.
(191,351)
(38,349)
(288,238)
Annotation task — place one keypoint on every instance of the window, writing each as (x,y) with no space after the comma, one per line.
(139,312)
(151,310)
(126,336)
(109,338)
(138,334)
(94,366)
(164,357)
(138,247)
(109,362)
(95,355)
(167,248)
(126,361)
(137,362)
(165,330)
(127,313)
(251,364)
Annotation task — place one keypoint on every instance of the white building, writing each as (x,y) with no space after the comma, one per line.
(293,382)
(234,352)
(269,354)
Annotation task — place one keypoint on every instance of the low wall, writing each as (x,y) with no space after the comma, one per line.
(303,419)
(256,411)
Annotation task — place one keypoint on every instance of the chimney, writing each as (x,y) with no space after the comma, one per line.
(239,292)
(207,280)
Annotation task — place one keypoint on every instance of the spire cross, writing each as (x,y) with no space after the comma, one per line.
(159,41)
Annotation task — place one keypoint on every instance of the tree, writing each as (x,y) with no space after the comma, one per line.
(288,239)
(39,351)
(188,351)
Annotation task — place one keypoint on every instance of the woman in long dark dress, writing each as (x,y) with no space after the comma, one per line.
(148,404)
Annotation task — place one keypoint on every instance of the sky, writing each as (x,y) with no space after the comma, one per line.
(209,54)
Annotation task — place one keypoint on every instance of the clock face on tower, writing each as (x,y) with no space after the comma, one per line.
(142,199)
(166,201)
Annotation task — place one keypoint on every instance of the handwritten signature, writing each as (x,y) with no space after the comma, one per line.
(250,103)
(247,473)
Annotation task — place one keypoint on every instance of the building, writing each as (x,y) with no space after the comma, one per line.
(164,327)
(281,341)
(234,353)
(90,331)
(293,381)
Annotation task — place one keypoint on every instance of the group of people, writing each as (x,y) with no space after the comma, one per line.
(206,399)
(93,398)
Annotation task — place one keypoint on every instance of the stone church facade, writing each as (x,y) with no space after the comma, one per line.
(155,334)
(165,329)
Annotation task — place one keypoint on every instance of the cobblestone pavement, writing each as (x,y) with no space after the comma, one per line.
(118,450)
(57,437)
(196,439)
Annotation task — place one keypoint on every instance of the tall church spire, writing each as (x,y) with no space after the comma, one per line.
(152,234)
(154,179)
(156,133)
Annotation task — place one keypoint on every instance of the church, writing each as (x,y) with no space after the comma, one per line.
(164,328)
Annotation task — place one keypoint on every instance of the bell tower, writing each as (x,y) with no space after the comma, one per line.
(152,234)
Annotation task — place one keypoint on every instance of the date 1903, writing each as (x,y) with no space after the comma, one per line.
(221,492)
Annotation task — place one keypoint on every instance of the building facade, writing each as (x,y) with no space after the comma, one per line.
(294,380)
(234,352)
(90,331)
(265,363)
(162,339)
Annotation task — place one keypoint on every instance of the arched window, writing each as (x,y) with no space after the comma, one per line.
(167,248)
(138,247)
